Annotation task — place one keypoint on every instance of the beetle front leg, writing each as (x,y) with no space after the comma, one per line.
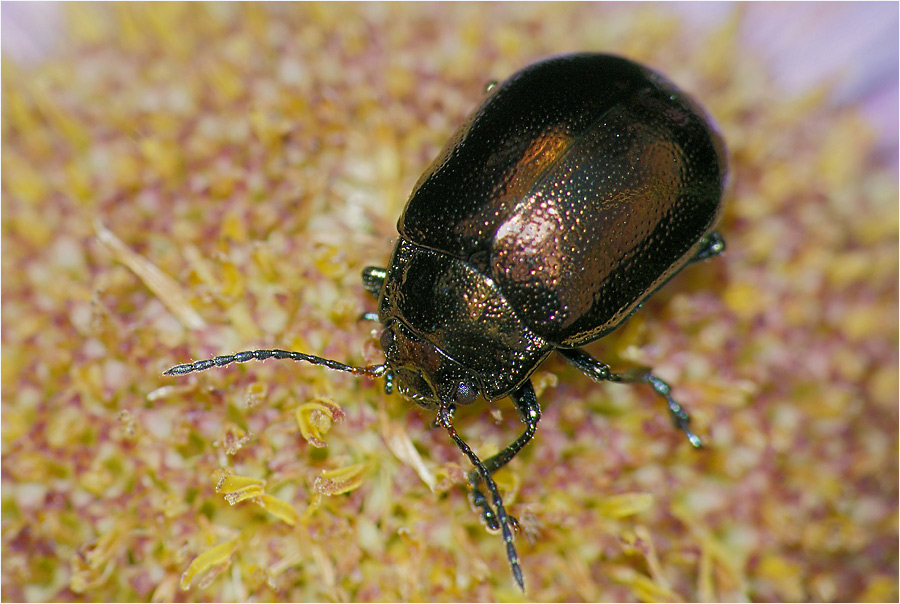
(530,414)
(600,372)
(503,521)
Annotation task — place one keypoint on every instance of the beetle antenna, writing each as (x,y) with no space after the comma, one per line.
(372,371)
(445,419)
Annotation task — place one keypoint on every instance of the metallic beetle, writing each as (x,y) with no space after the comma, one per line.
(578,187)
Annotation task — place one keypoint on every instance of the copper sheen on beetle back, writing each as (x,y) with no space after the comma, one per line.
(580,185)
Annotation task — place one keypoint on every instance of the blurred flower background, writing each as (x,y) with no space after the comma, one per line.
(183,180)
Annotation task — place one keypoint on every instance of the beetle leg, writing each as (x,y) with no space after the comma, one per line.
(445,419)
(373,278)
(600,372)
(389,382)
(369,316)
(530,414)
(711,245)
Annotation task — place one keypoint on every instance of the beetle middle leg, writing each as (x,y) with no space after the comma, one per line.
(530,414)
(600,372)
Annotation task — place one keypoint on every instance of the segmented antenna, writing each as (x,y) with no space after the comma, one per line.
(445,419)
(372,371)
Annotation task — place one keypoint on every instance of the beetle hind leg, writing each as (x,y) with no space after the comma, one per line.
(711,245)
(599,372)
(530,414)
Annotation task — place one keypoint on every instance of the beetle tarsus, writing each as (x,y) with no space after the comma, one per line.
(530,414)
(680,417)
(373,279)
(711,245)
(479,501)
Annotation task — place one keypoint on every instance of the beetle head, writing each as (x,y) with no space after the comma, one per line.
(423,372)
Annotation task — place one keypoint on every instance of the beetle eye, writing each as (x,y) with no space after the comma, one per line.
(465,394)
(457,391)
(387,339)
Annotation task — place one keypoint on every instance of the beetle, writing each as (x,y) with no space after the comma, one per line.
(578,187)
